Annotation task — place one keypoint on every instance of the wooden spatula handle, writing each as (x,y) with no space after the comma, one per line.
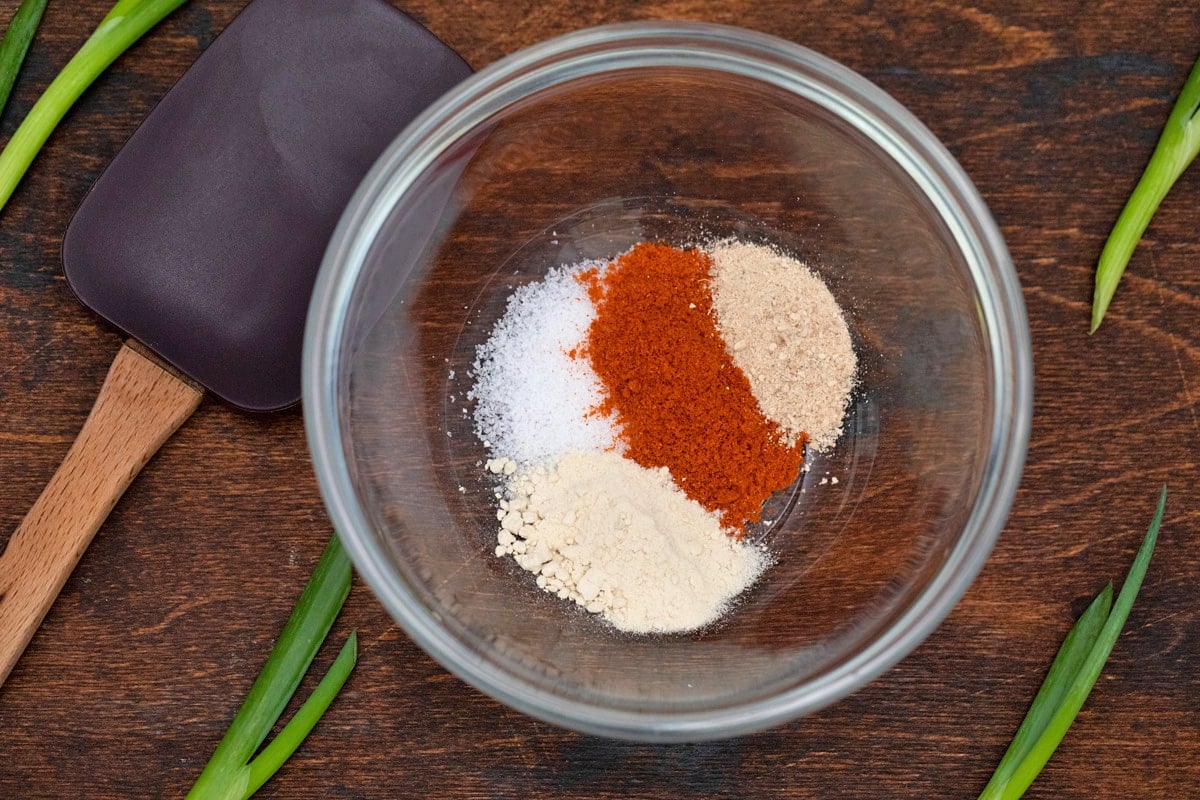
(140,405)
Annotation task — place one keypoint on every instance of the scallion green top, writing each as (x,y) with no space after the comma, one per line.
(1177,148)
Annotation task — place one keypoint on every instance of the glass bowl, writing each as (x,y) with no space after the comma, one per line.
(577,148)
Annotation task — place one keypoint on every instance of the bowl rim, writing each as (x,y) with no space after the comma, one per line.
(794,68)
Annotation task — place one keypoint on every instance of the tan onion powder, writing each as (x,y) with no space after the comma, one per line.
(785,330)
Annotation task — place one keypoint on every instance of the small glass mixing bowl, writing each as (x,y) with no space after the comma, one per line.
(577,148)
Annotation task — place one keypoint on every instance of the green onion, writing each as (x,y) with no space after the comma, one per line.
(234,771)
(16,44)
(1066,666)
(125,24)
(1071,677)
(1177,148)
(268,762)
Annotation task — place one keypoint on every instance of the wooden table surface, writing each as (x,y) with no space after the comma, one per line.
(1052,109)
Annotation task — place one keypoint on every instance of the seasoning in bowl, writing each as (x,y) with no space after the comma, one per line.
(640,412)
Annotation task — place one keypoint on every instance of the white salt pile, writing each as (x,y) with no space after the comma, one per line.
(533,400)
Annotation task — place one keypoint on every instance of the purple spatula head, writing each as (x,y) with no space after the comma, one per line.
(203,237)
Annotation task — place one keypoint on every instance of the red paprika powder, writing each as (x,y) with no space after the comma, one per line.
(671,386)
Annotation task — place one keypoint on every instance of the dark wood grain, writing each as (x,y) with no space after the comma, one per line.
(1052,108)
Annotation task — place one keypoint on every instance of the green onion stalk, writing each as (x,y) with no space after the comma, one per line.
(1177,148)
(16,44)
(234,772)
(125,24)
(1071,677)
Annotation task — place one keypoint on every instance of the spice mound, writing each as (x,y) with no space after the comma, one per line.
(639,413)
(673,389)
(623,541)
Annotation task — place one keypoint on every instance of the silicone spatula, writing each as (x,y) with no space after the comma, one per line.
(201,242)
